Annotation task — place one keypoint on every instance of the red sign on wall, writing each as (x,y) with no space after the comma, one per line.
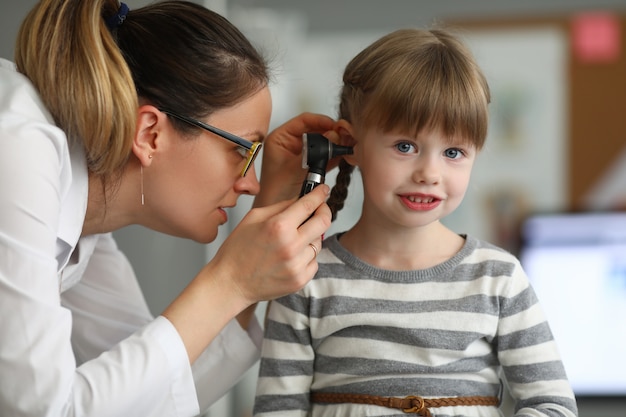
(596,37)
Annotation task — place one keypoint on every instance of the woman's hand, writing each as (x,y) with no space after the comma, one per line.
(266,256)
(281,172)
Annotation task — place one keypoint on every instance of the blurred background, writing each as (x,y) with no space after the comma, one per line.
(557,141)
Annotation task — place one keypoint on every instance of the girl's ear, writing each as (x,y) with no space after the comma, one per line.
(346,138)
(145,143)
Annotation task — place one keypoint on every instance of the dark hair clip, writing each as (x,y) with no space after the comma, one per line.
(114,21)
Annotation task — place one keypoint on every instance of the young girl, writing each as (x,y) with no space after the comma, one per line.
(405,315)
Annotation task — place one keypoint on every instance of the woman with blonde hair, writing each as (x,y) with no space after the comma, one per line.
(112,117)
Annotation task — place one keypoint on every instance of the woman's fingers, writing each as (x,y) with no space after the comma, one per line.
(289,134)
(268,254)
(281,172)
(300,209)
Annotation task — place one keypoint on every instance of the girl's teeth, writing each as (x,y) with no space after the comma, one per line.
(420,200)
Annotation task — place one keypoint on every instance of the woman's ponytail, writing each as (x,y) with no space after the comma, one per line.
(69,54)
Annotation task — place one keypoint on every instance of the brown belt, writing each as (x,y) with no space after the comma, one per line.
(410,404)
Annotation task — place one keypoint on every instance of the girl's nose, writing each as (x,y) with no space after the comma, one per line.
(427,171)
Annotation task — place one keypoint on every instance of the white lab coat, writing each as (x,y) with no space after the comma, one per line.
(76,335)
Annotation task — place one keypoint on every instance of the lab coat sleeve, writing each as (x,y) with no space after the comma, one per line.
(108,306)
(147,374)
(36,362)
(226,360)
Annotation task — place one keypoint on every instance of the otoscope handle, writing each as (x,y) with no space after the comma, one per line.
(312,180)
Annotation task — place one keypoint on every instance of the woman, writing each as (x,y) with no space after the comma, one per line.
(118,117)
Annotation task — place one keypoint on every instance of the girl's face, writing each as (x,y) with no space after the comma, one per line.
(197,179)
(412,181)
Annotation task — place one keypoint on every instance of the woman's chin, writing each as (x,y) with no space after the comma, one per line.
(206,236)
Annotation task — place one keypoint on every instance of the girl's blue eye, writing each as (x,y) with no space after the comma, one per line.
(453,153)
(405,147)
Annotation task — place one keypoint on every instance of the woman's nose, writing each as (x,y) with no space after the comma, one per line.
(249,184)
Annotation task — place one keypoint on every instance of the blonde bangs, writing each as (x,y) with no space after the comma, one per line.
(421,82)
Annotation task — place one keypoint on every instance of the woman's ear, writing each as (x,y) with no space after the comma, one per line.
(346,138)
(145,143)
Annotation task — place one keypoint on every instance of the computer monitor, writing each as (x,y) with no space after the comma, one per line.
(576,263)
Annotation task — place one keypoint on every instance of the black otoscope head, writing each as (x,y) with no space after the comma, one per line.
(317,150)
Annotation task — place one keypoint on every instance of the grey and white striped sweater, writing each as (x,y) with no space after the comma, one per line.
(455,329)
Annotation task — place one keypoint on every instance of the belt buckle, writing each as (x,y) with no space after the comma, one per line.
(418,407)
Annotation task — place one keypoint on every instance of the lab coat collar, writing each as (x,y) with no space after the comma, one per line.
(71,220)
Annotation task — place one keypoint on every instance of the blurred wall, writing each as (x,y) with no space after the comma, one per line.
(375,15)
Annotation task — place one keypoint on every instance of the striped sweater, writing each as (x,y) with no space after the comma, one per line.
(459,328)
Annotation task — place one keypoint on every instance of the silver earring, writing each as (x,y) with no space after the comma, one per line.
(141,169)
(142,199)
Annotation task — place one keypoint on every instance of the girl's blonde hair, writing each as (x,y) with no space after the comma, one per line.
(408,81)
(174,54)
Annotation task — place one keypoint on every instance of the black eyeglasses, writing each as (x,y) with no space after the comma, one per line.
(249,150)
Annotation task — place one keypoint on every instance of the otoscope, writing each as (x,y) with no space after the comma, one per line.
(317,150)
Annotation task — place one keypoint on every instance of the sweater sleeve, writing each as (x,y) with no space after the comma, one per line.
(529,355)
(286,369)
